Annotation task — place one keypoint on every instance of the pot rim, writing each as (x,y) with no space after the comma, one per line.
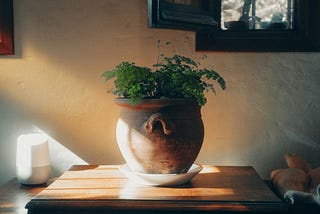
(156,102)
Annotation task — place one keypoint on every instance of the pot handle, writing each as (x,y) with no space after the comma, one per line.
(167,125)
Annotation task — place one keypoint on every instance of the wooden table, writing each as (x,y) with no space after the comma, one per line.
(14,196)
(103,189)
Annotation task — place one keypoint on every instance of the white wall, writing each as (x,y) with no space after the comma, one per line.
(271,106)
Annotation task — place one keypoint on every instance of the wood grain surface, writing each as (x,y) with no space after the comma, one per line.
(101,188)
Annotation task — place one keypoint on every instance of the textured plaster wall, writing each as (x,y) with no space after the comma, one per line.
(52,83)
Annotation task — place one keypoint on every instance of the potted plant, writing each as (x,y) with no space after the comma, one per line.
(160,129)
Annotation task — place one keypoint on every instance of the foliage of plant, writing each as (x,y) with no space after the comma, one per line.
(174,77)
(131,81)
(181,77)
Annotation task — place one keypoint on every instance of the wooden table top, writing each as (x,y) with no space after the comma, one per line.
(14,196)
(95,188)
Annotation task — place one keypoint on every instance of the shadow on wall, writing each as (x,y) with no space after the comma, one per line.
(13,123)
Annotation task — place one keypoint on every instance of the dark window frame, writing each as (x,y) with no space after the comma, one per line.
(157,9)
(304,37)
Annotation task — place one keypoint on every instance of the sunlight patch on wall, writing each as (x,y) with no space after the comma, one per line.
(60,156)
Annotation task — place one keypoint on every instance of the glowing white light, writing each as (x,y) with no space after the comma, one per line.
(32,160)
(33,150)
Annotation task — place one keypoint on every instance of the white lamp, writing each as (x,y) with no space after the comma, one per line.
(33,161)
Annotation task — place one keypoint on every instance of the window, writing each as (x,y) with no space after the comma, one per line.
(243,25)
(186,15)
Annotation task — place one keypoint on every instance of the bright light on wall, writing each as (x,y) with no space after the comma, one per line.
(60,156)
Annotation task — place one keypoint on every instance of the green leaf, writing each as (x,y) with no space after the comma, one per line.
(174,77)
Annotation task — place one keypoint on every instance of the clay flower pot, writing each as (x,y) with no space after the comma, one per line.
(160,135)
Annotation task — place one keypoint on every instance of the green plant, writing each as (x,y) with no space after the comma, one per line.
(174,77)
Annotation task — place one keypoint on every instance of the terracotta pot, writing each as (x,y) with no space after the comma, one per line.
(160,135)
